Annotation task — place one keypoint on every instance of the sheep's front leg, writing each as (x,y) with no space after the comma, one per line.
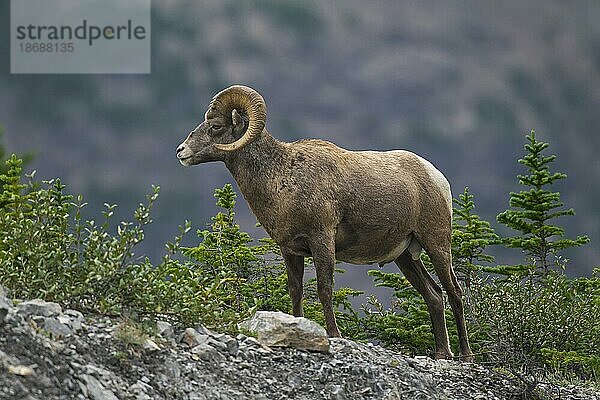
(295,273)
(323,252)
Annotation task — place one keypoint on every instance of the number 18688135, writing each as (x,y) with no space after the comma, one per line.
(61,47)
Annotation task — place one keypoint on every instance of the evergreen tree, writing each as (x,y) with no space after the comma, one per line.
(470,237)
(4,157)
(532,211)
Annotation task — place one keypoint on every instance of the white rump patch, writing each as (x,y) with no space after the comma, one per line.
(439,179)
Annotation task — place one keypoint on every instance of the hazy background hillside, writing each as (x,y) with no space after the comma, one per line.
(459,82)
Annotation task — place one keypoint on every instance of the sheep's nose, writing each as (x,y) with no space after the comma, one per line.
(180,148)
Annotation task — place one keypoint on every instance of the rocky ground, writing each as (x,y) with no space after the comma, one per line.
(50,353)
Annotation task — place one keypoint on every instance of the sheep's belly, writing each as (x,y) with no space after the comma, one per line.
(363,255)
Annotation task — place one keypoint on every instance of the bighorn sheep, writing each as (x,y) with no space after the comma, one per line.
(316,199)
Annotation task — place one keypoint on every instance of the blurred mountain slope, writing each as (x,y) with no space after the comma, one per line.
(457,82)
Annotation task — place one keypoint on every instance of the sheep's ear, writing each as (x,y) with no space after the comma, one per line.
(236,118)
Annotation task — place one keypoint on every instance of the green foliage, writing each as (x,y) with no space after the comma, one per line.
(529,323)
(568,363)
(131,334)
(10,183)
(3,158)
(470,237)
(48,251)
(238,268)
(533,209)
(406,324)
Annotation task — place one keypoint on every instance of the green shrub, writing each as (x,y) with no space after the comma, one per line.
(405,325)
(529,324)
(47,250)
(568,363)
(246,281)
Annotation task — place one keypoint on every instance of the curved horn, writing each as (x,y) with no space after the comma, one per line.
(247,99)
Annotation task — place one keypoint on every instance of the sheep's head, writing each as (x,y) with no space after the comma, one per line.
(235,117)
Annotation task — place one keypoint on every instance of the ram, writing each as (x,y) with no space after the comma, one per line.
(316,199)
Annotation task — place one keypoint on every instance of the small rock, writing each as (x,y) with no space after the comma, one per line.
(264,350)
(172,369)
(21,370)
(72,318)
(324,373)
(6,359)
(93,389)
(38,307)
(216,344)
(294,381)
(336,392)
(193,338)
(150,345)
(140,388)
(164,329)
(205,331)
(56,328)
(93,370)
(207,353)
(250,342)
(280,329)
(232,345)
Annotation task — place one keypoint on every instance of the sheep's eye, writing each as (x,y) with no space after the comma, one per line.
(216,127)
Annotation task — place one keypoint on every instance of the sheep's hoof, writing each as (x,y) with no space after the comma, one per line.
(444,356)
(466,358)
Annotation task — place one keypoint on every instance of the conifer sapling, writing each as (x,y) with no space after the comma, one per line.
(533,209)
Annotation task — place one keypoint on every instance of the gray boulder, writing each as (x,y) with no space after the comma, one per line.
(207,353)
(72,318)
(56,328)
(93,389)
(164,329)
(193,338)
(284,330)
(39,307)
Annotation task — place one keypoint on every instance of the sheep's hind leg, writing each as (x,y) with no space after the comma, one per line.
(419,278)
(442,262)
(295,273)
